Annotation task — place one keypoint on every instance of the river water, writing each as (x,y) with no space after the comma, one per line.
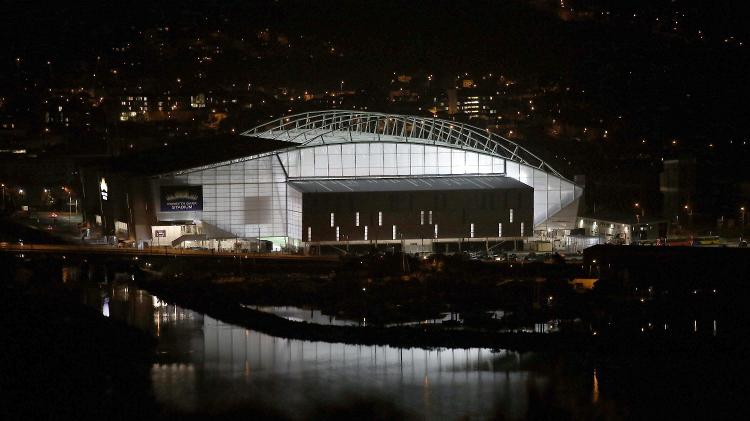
(204,364)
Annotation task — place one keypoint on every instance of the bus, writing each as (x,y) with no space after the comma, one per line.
(708,241)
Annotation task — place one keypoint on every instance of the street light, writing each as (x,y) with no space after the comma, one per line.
(70,201)
(638,210)
(689,212)
(742,231)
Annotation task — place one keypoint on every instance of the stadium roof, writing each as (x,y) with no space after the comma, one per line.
(406,184)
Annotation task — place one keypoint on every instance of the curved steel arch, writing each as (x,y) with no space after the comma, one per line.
(308,133)
(340,126)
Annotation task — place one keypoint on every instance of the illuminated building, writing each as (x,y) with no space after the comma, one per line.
(363,178)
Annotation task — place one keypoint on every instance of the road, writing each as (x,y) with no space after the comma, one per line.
(7,247)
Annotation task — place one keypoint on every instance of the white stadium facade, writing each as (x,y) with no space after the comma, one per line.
(363,178)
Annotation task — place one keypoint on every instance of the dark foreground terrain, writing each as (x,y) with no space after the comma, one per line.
(62,360)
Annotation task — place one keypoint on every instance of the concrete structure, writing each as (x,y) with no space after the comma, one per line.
(342,171)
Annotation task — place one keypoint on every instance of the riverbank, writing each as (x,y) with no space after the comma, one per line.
(214,301)
(375,290)
(537,306)
(227,309)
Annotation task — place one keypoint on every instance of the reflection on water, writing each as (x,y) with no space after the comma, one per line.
(205,363)
(70,273)
(298,314)
(595,389)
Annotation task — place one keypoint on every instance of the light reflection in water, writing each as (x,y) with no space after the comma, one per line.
(595,389)
(70,274)
(203,362)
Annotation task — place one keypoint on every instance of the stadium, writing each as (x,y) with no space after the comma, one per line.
(357,178)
